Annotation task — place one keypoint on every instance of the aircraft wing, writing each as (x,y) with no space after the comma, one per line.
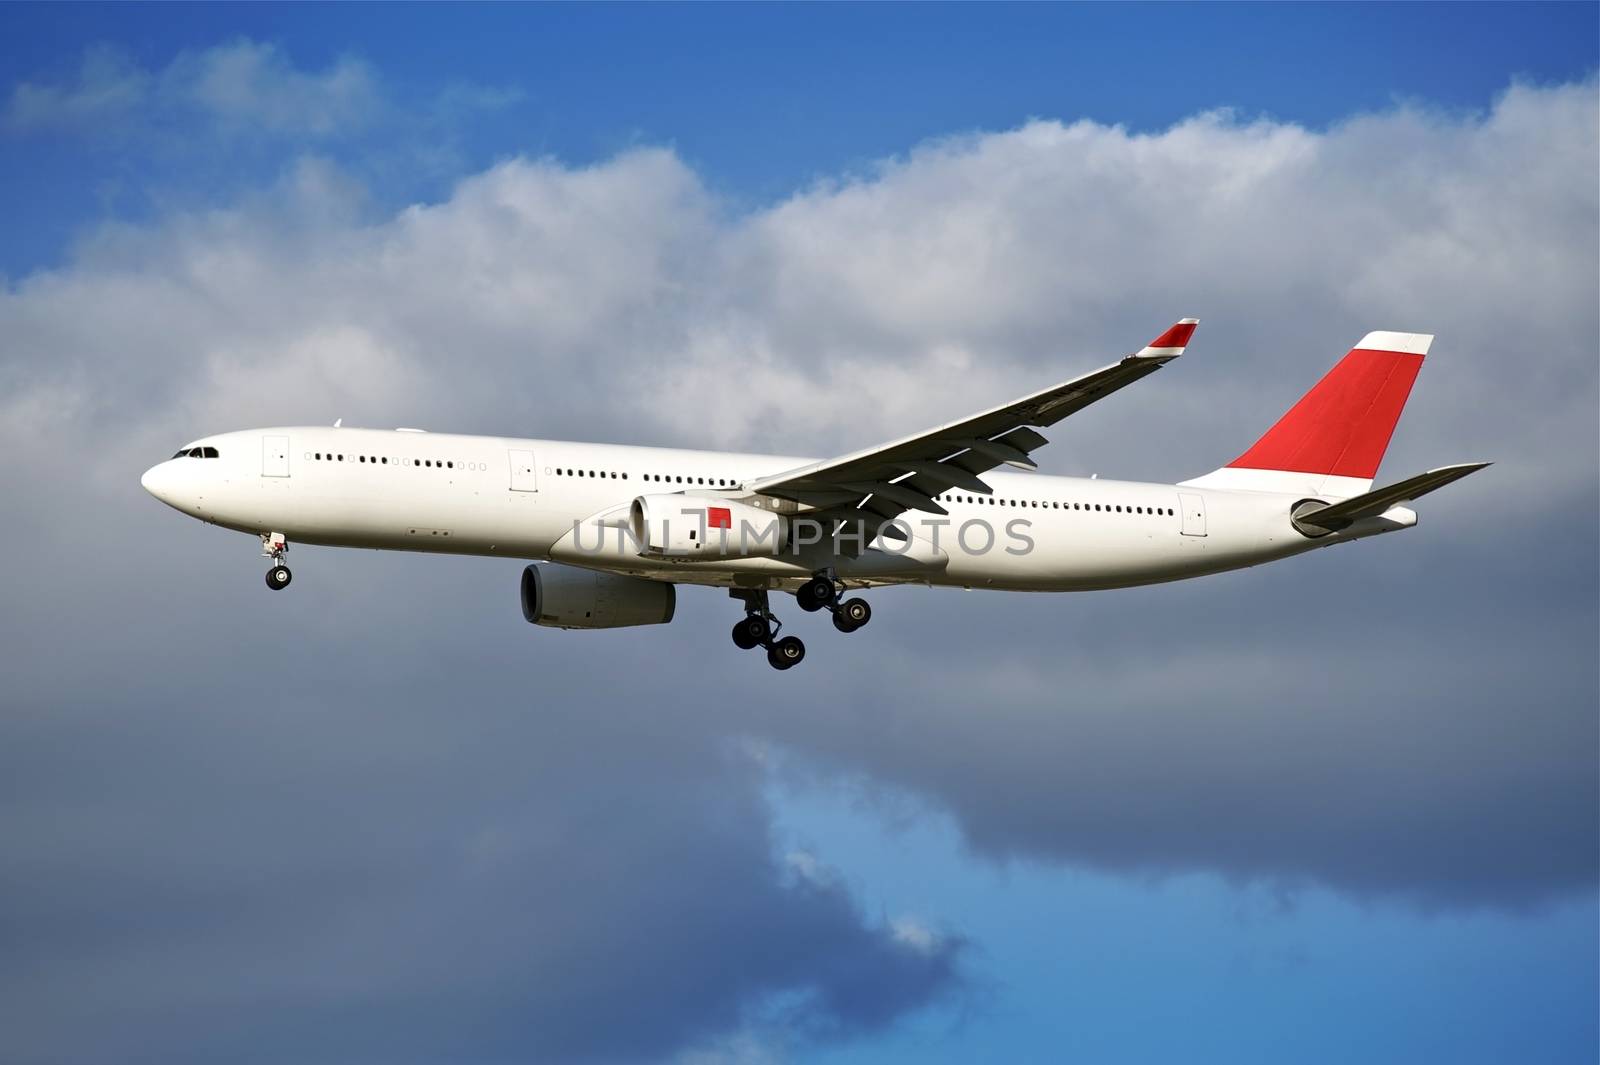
(881,482)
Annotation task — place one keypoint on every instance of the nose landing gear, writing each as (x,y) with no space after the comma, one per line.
(275,546)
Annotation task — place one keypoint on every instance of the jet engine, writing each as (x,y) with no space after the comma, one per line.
(566,597)
(690,527)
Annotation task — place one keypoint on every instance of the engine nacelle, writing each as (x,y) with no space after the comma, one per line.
(566,597)
(690,527)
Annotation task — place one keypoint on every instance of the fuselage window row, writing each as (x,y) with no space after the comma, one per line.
(383,460)
(1057,505)
(567,471)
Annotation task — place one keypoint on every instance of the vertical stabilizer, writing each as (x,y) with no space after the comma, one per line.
(1332,441)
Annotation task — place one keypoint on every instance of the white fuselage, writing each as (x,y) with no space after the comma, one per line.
(565,502)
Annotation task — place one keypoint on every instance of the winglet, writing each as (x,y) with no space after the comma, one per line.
(1171,343)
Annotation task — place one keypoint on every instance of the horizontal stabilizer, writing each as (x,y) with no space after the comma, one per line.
(1316,520)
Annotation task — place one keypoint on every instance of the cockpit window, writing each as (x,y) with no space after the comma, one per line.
(197,453)
(209,452)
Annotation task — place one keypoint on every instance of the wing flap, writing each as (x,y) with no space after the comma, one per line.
(940,476)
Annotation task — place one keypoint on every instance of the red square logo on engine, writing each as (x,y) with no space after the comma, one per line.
(719,518)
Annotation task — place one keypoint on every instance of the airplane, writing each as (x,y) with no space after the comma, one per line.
(609,531)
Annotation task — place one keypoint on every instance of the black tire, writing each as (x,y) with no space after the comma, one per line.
(855,611)
(786,653)
(278,578)
(750,631)
(842,623)
(815,594)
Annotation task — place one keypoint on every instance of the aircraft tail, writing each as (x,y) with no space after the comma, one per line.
(1331,442)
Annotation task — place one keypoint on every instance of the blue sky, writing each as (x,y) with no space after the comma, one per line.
(1171,824)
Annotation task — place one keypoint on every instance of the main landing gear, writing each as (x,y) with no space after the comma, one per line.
(274,546)
(759,628)
(822,593)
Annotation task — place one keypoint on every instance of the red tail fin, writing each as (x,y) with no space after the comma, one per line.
(1343,425)
(1331,442)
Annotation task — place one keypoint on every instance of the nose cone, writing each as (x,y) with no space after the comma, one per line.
(159,480)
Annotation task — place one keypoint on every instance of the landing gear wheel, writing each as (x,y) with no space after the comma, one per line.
(854,613)
(278,578)
(786,653)
(751,631)
(816,593)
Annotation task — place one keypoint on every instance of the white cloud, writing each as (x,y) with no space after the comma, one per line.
(108,85)
(252,85)
(915,935)
(808,868)
(243,86)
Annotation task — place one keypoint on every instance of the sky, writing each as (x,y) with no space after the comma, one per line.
(1338,808)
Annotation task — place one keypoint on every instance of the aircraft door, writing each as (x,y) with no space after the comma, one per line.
(1193,509)
(274,456)
(522,472)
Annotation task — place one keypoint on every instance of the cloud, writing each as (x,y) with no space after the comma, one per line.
(242,88)
(109,85)
(915,935)
(253,85)
(400,802)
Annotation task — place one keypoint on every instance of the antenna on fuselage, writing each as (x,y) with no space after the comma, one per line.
(337,422)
